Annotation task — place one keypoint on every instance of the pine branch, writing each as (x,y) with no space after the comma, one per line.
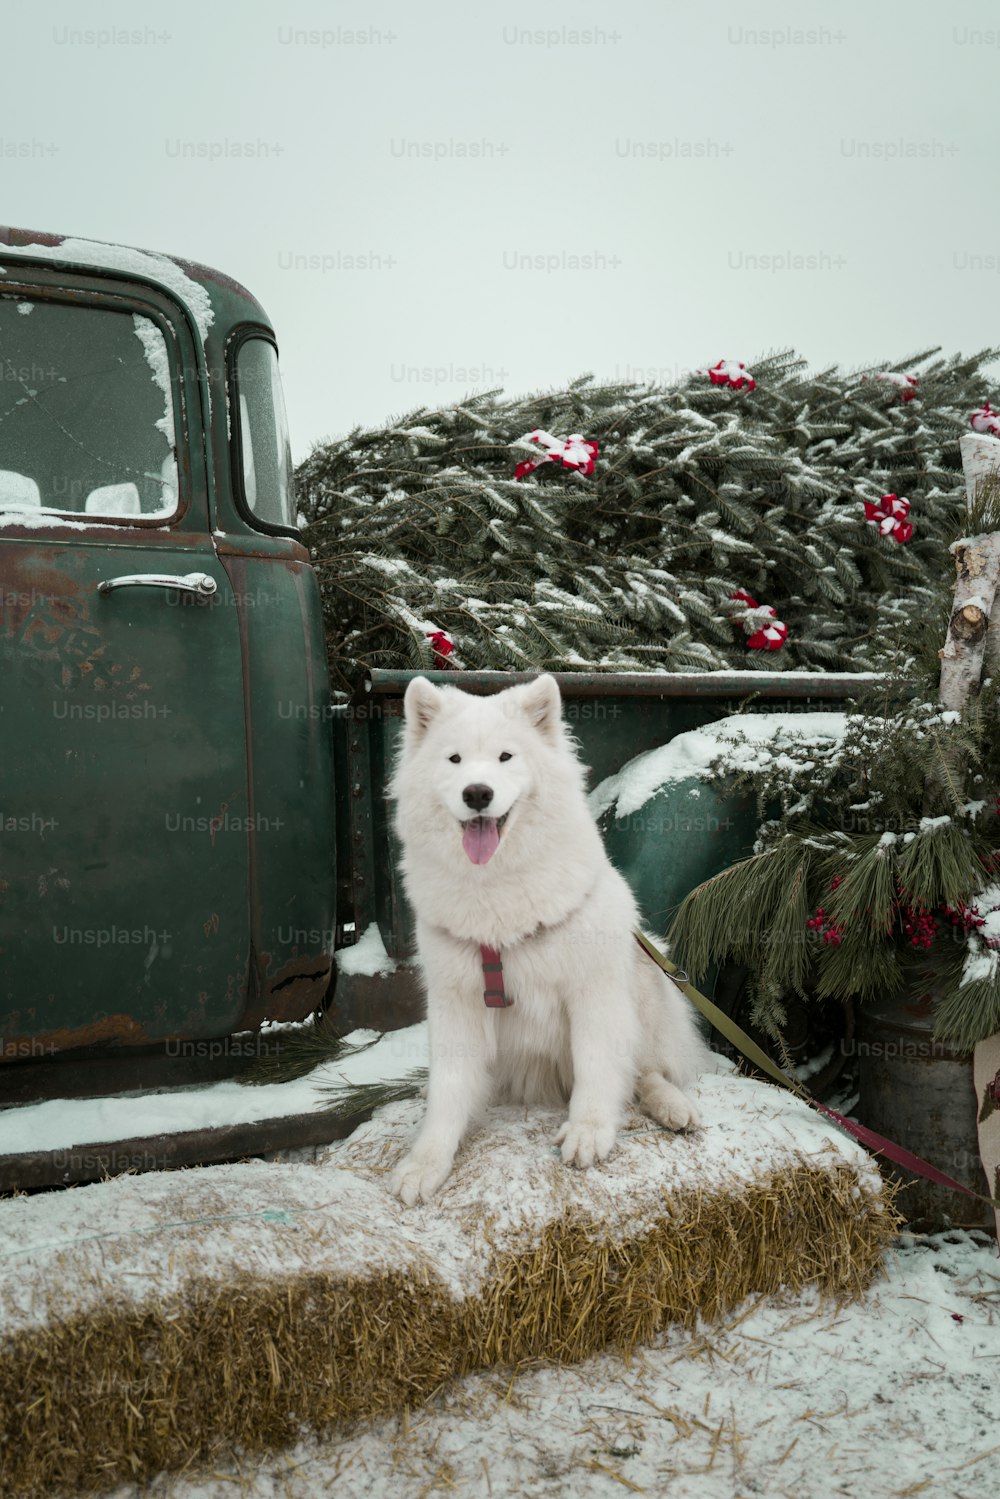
(350,1100)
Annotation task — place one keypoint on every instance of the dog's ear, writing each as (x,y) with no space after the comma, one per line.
(541,705)
(422,702)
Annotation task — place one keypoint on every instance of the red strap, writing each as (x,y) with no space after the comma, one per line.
(898,1153)
(727,1027)
(493,989)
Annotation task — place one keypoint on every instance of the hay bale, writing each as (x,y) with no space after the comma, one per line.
(159,1321)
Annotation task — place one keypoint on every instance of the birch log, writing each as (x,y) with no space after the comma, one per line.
(975,613)
(981,462)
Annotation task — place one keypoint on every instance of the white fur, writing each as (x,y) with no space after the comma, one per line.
(594,1021)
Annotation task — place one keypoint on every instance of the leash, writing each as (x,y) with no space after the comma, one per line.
(872,1141)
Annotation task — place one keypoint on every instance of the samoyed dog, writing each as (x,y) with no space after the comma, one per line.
(503,862)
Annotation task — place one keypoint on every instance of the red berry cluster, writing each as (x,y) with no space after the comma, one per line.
(831,931)
(966,917)
(919,926)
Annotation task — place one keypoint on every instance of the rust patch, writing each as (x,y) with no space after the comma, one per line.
(292,993)
(45,614)
(381,1001)
(124,1029)
(210,277)
(297,556)
(10,235)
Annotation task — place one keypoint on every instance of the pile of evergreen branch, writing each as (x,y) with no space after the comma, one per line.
(698,491)
(873,869)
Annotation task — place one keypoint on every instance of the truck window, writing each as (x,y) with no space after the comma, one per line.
(86,413)
(265,453)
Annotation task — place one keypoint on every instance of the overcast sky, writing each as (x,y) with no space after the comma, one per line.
(435,198)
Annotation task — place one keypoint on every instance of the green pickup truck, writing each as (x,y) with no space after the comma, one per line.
(189,827)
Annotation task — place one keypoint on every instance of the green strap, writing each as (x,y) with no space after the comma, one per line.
(898,1154)
(723,1024)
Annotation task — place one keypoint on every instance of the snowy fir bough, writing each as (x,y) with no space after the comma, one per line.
(878,860)
(710,514)
(877,866)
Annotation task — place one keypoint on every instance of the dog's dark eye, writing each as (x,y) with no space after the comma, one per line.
(506,755)
(455,759)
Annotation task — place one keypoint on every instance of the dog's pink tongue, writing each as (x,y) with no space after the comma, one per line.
(481,839)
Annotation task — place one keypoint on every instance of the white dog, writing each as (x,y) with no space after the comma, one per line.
(500,851)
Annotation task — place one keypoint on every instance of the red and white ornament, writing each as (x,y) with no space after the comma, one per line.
(889,515)
(907,384)
(732,373)
(966,918)
(573,452)
(985,419)
(769,637)
(442,648)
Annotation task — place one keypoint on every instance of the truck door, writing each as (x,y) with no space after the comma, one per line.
(123,767)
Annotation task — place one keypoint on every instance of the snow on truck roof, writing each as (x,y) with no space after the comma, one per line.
(187,280)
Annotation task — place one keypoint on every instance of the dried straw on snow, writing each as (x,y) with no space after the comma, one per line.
(155,1322)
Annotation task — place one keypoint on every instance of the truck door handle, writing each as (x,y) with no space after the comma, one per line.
(198,583)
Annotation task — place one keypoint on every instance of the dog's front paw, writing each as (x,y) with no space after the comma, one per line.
(667,1104)
(419,1175)
(683,1114)
(584,1143)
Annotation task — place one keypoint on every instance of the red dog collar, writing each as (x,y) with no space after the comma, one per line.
(493,989)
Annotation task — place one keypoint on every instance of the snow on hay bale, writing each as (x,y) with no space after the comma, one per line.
(151,1322)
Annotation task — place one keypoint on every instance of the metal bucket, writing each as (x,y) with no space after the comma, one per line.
(919,1092)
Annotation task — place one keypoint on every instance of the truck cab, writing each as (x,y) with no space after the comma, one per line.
(166,813)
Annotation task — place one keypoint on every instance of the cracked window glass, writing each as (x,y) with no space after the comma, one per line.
(86,414)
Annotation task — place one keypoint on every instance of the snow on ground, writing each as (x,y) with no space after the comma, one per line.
(59,1124)
(367,956)
(898,1395)
(146,1235)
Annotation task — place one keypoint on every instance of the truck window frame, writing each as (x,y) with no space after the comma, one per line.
(244,334)
(14,286)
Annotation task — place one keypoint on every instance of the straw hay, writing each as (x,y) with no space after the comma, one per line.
(229,1358)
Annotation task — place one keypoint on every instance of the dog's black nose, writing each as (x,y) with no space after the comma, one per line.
(477,797)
